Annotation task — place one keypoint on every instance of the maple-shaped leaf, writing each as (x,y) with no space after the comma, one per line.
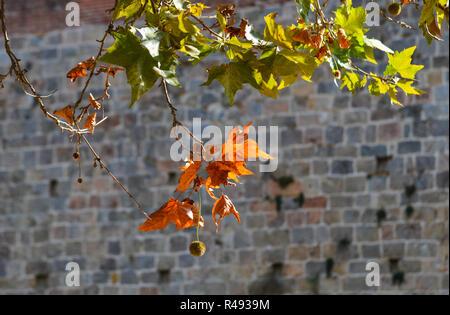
(223,207)
(184,214)
(239,147)
(127,52)
(275,33)
(232,76)
(65,113)
(189,174)
(400,62)
(351,19)
(92,101)
(90,122)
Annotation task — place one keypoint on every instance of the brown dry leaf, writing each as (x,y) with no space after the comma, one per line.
(324,51)
(65,113)
(343,41)
(243,26)
(89,64)
(90,122)
(317,39)
(113,71)
(233,31)
(189,173)
(303,36)
(95,105)
(223,207)
(227,10)
(184,214)
(434,29)
(218,173)
(77,72)
(80,70)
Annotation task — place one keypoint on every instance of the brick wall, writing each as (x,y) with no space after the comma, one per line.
(359,162)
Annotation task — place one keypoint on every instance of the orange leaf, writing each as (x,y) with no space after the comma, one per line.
(316,40)
(90,122)
(96,105)
(89,64)
(405,2)
(303,36)
(189,173)
(324,51)
(343,41)
(223,207)
(243,26)
(77,72)
(209,188)
(65,113)
(218,172)
(184,214)
(80,70)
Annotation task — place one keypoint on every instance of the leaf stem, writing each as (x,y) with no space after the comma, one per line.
(199,211)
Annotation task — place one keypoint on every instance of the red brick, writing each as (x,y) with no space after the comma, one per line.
(316,202)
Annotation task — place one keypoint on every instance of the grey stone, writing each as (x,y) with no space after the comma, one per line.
(342,167)
(128,277)
(409,147)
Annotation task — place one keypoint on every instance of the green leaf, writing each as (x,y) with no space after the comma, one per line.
(127,9)
(128,52)
(407,88)
(151,39)
(352,21)
(352,82)
(232,76)
(275,33)
(300,63)
(401,62)
(303,8)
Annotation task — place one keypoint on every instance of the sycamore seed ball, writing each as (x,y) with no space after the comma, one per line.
(80,180)
(197,248)
(76,155)
(395,8)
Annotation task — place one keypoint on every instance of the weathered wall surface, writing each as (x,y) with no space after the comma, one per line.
(356,159)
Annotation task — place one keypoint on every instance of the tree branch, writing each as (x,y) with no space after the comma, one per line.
(25,84)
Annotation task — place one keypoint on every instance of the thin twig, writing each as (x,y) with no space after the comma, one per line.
(401,23)
(25,83)
(207,27)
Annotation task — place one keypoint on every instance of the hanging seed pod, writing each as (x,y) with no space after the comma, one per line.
(80,180)
(197,248)
(395,9)
(76,155)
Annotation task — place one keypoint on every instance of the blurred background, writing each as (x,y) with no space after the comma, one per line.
(359,180)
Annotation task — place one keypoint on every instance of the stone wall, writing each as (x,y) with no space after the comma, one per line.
(374,179)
